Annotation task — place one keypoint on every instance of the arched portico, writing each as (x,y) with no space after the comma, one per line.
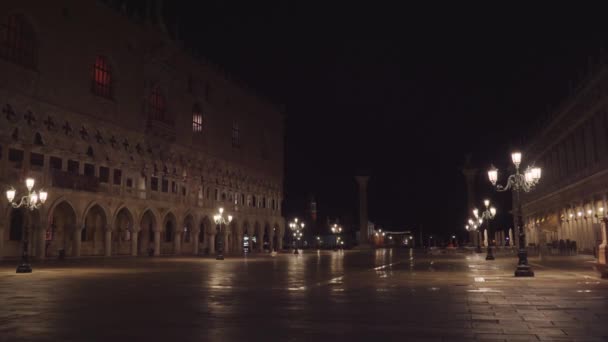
(93,230)
(149,235)
(188,240)
(122,233)
(267,237)
(259,237)
(168,233)
(63,233)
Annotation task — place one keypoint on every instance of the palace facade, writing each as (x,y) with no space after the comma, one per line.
(570,202)
(137,142)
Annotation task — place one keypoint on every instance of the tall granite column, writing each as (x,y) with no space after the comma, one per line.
(602,257)
(470,174)
(363,219)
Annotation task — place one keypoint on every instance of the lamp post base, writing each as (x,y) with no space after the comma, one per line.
(24,268)
(524,271)
(490,255)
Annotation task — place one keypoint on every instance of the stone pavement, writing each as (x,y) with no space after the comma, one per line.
(353,295)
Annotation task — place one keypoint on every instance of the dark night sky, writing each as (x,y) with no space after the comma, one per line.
(404,93)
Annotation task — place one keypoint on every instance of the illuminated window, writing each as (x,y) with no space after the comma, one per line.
(197,119)
(235,135)
(158,105)
(101,78)
(17,41)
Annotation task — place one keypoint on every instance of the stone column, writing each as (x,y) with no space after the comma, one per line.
(280,240)
(195,242)
(108,242)
(270,240)
(134,240)
(239,243)
(227,246)
(602,255)
(2,237)
(77,241)
(177,243)
(363,228)
(156,242)
(260,241)
(211,243)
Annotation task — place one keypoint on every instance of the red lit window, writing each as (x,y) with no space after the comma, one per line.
(17,41)
(197,119)
(101,78)
(158,105)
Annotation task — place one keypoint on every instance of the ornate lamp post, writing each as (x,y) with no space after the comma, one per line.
(487,215)
(221,220)
(336,230)
(296,228)
(33,200)
(519,182)
(474,226)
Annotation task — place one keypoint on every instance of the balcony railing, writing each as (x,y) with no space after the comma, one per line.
(68,180)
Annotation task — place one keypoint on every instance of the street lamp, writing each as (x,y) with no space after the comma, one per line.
(519,182)
(296,228)
(221,220)
(336,230)
(488,214)
(474,226)
(33,200)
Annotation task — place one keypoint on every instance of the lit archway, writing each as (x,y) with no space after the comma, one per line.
(122,232)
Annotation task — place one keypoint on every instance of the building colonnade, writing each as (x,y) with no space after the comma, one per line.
(98,229)
(580,221)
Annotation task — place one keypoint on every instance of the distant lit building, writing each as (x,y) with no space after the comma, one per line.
(572,149)
(136,141)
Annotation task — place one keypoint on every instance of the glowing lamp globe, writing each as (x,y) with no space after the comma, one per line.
(516,157)
(43,196)
(29,183)
(10,194)
(536,173)
(493,175)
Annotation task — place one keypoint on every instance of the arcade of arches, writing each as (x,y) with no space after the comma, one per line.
(98,230)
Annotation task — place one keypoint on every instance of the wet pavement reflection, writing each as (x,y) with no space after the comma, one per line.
(322,295)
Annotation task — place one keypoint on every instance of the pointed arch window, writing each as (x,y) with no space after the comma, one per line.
(18,41)
(197,119)
(101,77)
(158,106)
(236,138)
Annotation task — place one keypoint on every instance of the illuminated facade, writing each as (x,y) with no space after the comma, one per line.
(570,202)
(137,142)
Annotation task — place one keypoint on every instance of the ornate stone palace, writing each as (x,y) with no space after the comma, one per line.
(137,142)
(570,202)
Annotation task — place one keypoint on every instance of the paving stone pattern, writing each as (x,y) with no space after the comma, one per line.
(316,296)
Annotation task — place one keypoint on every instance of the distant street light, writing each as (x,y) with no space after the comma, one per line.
(33,200)
(296,228)
(488,214)
(474,226)
(220,220)
(519,182)
(336,230)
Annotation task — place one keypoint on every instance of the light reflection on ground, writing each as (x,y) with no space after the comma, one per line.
(318,295)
